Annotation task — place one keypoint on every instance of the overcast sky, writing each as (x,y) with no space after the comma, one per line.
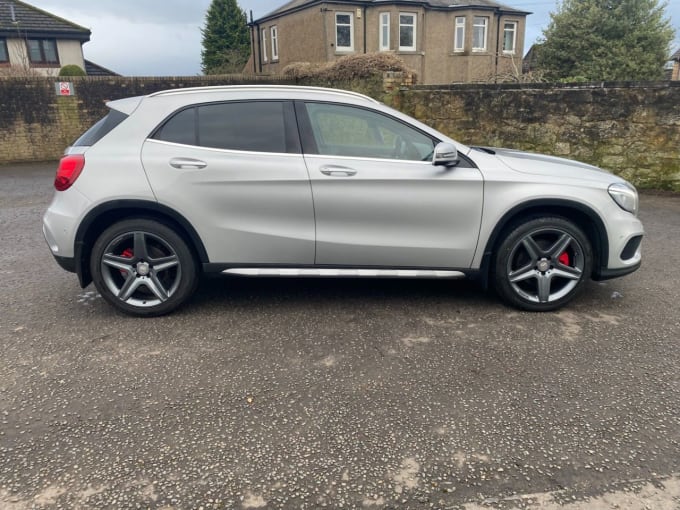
(162,37)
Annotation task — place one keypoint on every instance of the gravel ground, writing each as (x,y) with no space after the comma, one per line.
(335,393)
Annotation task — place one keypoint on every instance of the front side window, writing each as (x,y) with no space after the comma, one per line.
(258,126)
(4,54)
(340,130)
(344,31)
(459,42)
(479,30)
(264,46)
(407,32)
(384,31)
(42,51)
(275,43)
(509,36)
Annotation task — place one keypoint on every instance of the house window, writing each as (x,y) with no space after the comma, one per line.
(42,51)
(479,29)
(459,42)
(275,43)
(344,31)
(4,54)
(264,46)
(407,32)
(509,36)
(384,31)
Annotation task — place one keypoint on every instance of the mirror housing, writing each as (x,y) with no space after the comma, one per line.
(445,154)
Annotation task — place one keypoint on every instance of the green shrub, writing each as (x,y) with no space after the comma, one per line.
(72,70)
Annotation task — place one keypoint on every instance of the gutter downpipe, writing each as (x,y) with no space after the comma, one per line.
(252,41)
(259,53)
(364,8)
(498,44)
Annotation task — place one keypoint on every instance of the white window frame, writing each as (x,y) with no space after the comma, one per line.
(274,32)
(384,44)
(264,46)
(514,37)
(459,29)
(485,27)
(414,17)
(351,31)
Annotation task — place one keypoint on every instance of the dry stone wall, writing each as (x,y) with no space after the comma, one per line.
(632,129)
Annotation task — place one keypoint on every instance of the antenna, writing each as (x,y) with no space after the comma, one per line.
(12,13)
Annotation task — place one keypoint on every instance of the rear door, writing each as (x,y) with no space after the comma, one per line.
(235,171)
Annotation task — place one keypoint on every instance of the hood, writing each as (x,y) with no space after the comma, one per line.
(542,164)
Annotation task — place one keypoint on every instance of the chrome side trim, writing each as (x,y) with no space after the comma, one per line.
(343,273)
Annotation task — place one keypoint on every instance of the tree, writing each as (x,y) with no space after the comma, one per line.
(226,38)
(613,40)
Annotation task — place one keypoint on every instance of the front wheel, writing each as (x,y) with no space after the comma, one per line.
(143,268)
(542,264)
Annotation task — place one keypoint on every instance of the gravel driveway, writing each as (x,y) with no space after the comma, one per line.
(335,393)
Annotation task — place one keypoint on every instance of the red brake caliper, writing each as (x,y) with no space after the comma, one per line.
(128,254)
(564,259)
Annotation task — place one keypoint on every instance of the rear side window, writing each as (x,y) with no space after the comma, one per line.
(257,126)
(100,129)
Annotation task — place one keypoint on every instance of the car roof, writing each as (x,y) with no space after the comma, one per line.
(241,92)
(276,91)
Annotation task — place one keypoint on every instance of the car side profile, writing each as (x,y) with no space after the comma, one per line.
(304,181)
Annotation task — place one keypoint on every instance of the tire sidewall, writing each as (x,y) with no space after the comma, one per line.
(189,267)
(513,235)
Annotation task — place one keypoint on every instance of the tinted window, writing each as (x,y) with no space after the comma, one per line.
(181,128)
(100,129)
(256,126)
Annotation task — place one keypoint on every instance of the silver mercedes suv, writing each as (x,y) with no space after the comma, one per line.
(286,181)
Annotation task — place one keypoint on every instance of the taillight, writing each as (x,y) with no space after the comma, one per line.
(68,171)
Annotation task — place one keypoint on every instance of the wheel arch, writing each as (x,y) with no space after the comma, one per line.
(582,215)
(104,215)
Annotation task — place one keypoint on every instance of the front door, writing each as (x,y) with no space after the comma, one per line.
(378,199)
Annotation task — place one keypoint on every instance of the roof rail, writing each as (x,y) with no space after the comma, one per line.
(273,88)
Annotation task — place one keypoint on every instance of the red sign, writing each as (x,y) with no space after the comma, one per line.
(65,88)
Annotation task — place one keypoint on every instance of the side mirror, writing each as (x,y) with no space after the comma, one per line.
(445,154)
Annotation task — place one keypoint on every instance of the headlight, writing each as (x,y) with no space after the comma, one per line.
(625,196)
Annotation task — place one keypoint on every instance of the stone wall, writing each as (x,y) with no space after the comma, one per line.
(632,129)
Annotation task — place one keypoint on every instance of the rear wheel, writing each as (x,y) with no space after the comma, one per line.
(143,268)
(542,264)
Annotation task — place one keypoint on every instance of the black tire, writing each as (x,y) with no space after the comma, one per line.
(143,268)
(541,263)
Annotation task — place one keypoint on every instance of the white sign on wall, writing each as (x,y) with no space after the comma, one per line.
(65,88)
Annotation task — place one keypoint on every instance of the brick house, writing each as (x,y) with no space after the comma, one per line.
(31,38)
(444,41)
(675,59)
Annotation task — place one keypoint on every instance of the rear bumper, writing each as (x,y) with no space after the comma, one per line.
(66,263)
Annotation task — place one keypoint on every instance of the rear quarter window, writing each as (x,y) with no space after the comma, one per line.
(100,129)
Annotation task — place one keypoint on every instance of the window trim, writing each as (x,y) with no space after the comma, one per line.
(414,17)
(351,31)
(292,136)
(514,37)
(485,26)
(43,60)
(458,25)
(263,45)
(274,35)
(382,44)
(3,45)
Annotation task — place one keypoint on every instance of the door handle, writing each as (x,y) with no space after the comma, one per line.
(337,171)
(187,163)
